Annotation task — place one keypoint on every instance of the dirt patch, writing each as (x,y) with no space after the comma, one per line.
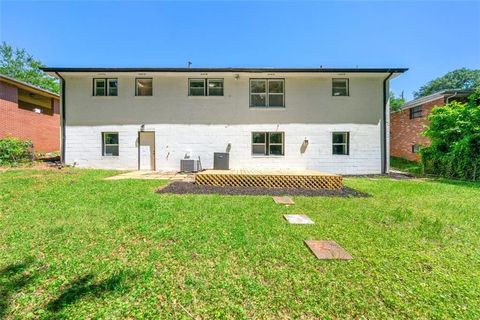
(192,188)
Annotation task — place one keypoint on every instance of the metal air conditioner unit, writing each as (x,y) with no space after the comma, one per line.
(189,165)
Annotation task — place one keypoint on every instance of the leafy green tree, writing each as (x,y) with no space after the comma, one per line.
(458,79)
(18,64)
(454,132)
(396,103)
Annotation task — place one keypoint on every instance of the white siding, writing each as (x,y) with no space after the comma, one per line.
(173,141)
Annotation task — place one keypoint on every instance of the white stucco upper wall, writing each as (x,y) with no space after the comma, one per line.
(308,99)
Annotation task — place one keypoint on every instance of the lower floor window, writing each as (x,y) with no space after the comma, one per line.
(109,143)
(268,143)
(415,148)
(340,143)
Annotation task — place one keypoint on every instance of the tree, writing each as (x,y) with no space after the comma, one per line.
(18,64)
(396,103)
(457,79)
(454,132)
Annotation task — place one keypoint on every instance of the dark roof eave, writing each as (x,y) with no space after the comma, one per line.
(285,70)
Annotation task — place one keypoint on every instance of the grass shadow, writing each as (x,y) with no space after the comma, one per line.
(12,279)
(86,286)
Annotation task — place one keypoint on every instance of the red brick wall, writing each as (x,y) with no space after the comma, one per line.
(405,132)
(42,129)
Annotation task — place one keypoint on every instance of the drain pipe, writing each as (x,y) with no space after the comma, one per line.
(451,96)
(62,123)
(384,123)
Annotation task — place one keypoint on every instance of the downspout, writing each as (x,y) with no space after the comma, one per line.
(384,123)
(450,96)
(62,122)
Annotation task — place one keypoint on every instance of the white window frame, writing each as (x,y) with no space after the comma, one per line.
(208,86)
(197,80)
(267,93)
(346,144)
(104,147)
(282,144)
(347,86)
(106,87)
(136,87)
(95,80)
(266,145)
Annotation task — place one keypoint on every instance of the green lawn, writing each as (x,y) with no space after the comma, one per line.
(73,245)
(406,165)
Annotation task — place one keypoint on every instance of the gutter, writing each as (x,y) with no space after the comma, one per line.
(384,122)
(62,122)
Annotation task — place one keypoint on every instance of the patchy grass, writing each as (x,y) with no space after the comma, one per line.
(73,245)
(406,165)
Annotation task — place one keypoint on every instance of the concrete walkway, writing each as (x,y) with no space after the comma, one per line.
(155,175)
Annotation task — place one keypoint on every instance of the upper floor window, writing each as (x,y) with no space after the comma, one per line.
(340,143)
(143,86)
(267,93)
(205,87)
(415,148)
(340,87)
(267,143)
(105,87)
(416,112)
(109,143)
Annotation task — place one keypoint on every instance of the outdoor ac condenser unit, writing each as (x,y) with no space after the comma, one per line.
(189,165)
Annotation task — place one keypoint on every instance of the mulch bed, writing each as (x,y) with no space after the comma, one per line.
(192,188)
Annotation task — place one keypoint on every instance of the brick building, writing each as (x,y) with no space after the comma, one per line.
(29,112)
(407,124)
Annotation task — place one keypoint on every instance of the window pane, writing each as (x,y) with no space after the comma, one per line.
(275,137)
(215,87)
(340,87)
(100,92)
(215,91)
(99,87)
(258,86)
(339,137)
(275,100)
(258,137)
(197,87)
(276,150)
(111,150)
(112,87)
(275,86)
(258,100)
(111,138)
(144,87)
(339,91)
(339,149)
(258,149)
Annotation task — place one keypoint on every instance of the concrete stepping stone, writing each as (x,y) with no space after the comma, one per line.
(298,219)
(283,200)
(327,250)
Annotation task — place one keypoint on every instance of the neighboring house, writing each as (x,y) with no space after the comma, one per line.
(29,112)
(407,125)
(266,118)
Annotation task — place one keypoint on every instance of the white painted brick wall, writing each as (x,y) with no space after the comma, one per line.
(84,146)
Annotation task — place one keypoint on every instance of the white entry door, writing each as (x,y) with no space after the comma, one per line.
(146,150)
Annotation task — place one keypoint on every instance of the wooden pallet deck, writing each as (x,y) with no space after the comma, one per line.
(306,179)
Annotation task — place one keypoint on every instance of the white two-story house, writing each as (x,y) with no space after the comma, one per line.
(332,120)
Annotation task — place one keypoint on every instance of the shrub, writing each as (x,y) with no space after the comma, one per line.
(454,132)
(14,151)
